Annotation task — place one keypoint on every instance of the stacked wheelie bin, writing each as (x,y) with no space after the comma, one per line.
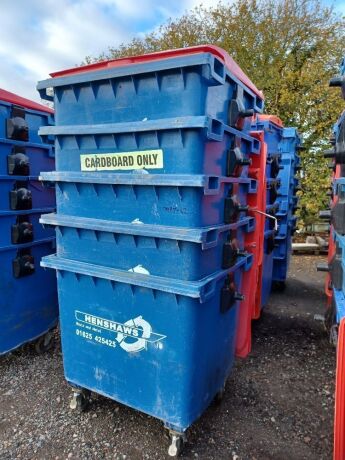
(28,297)
(335,279)
(153,195)
(273,208)
(272,129)
(287,204)
(254,242)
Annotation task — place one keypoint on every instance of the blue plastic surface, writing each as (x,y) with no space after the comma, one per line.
(28,304)
(142,180)
(175,315)
(28,298)
(32,216)
(188,254)
(185,145)
(339,300)
(287,202)
(191,85)
(34,118)
(181,200)
(41,196)
(41,156)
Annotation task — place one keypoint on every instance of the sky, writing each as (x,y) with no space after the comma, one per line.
(42,36)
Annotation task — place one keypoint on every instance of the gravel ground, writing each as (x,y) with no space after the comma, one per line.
(278,402)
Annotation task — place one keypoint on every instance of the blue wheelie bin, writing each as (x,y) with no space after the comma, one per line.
(151,187)
(288,202)
(28,295)
(272,128)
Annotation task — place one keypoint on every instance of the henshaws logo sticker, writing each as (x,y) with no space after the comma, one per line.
(131,336)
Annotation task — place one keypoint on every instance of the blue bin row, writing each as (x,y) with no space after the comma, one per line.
(335,284)
(28,305)
(336,258)
(151,181)
(288,202)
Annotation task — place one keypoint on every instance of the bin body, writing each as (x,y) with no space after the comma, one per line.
(28,295)
(166,370)
(29,302)
(151,222)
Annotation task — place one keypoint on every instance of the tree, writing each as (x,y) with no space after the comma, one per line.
(290,49)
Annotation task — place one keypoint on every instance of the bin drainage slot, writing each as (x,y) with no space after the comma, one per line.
(216,127)
(218,68)
(211,236)
(213,183)
(256,145)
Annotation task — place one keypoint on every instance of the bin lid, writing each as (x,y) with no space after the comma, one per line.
(221,54)
(13,98)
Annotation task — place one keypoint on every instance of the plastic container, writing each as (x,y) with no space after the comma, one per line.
(128,325)
(185,145)
(28,294)
(28,298)
(152,194)
(194,81)
(181,200)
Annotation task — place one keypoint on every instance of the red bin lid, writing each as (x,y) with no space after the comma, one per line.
(12,98)
(232,66)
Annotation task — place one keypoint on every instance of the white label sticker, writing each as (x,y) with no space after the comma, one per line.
(132,336)
(146,159)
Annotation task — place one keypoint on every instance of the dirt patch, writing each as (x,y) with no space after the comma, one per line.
(278,402)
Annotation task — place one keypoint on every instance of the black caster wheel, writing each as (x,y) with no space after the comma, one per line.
(279,286)
(176,446)
(80,401)
(331,324)
(44,343)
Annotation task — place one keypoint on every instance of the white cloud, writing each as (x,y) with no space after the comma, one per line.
(38,37)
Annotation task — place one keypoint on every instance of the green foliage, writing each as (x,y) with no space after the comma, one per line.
(290,49)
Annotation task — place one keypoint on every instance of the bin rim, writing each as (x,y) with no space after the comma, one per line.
(207,236)
(203,289)
(216,51)
(15,99)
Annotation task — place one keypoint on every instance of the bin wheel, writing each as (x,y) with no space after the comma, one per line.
(176,446)
(331,324)
(279,286)
(79,401)
(219,396)
(44,343)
